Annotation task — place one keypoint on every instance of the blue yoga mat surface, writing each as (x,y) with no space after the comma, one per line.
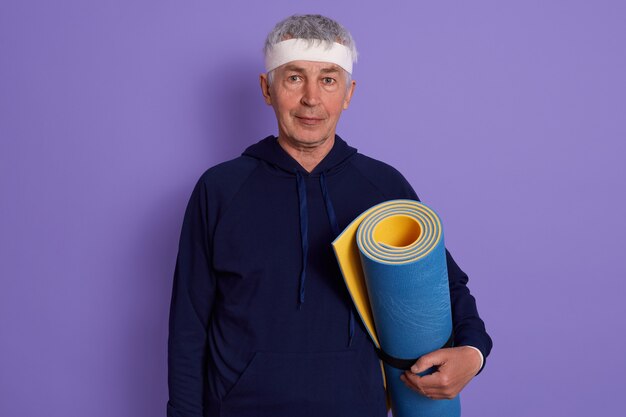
(393,260)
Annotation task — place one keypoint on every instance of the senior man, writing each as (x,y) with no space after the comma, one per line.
(261,323)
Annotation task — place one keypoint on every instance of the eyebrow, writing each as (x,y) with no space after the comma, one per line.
(330,70)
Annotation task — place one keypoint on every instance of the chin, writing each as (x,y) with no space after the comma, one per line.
(310,137)
(311,141)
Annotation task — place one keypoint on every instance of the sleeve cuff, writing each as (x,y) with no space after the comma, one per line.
(482,358)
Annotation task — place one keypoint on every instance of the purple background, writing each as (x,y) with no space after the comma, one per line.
(507,117)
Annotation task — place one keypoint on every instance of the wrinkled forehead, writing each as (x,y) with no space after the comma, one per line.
(292,50)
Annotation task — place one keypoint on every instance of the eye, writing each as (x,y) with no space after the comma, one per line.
(328,80)
(293,78)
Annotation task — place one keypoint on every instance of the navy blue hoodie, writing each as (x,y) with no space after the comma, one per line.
(261,323)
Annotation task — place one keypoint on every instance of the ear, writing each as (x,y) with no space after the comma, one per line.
(265,89)
(346,101)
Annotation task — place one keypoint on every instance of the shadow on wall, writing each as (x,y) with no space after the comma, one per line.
(232,105)
(232,116)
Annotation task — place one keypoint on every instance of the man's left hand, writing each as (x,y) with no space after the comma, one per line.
(455,367)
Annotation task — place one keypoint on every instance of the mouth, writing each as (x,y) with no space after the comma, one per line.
(309,121)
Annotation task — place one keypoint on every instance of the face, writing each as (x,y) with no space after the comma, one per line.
(308,98)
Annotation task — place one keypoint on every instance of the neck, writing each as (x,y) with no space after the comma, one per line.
(307,155)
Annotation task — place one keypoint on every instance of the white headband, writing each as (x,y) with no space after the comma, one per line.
(305,50)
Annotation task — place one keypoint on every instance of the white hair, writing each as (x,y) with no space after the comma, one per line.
(311,27)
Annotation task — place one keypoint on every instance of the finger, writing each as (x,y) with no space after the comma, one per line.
(414,382)
(409,381)
(427,361)
(434,382)
(440,385)
(429,384)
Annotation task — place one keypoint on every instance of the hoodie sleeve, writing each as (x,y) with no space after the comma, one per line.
(191,303)
(469,328)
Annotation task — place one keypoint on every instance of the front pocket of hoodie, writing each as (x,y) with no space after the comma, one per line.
(292,384)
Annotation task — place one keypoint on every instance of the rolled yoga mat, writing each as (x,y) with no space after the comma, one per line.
(392,258)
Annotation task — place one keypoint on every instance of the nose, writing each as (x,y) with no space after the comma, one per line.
(310,94)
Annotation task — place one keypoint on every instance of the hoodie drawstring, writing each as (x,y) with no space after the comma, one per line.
(330,211)
(304,232)
(304,236)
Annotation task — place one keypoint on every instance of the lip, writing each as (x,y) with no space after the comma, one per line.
(310,121)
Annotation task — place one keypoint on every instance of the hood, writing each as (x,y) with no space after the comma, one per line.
(270,151)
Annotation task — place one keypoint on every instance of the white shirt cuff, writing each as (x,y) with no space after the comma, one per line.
(482,359)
